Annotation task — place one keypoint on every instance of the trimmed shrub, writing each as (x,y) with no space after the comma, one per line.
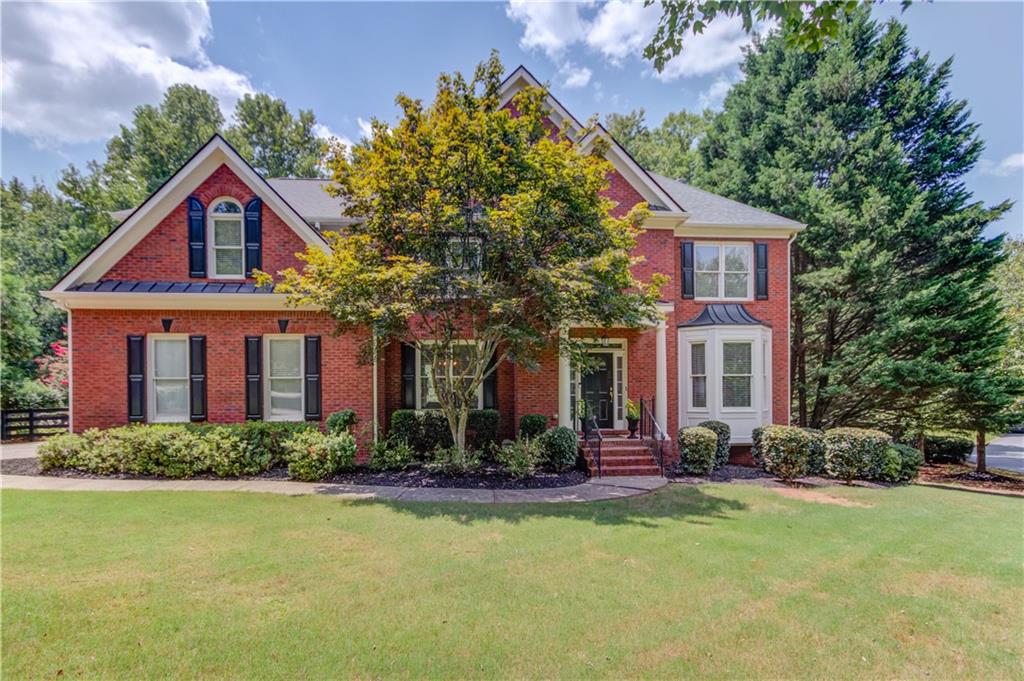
(815,451)
(391,454)
(559,448)
(313,455)
(482,428)
(532,425)
(785,451)
(520,457)
(755,448)
(909,461)
(434,431)
(453,461)
(341,421)
(265,439)
(405,426)
(855,453)
(697,447)
(226,453)
(65,450)
(947,448)
(723,433)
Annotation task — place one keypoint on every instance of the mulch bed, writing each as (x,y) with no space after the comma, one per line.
(965,475)
(755,476)
(487,478)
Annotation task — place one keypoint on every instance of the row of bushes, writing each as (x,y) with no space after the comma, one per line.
(426,430)
(185,451)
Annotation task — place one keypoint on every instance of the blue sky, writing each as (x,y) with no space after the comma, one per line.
(65,91)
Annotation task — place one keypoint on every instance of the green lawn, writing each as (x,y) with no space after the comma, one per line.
(720,581)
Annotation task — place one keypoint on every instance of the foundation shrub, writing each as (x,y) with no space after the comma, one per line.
(532,425)
(697,448)
(785,451)
(559,448)
(855,453)
(520,457)
(313,455)
(723,433)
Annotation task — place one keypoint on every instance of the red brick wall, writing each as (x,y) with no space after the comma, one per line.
(99,361)
(163,253)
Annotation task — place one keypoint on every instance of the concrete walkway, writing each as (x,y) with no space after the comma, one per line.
(598,489)
(1006,452)
(19,450)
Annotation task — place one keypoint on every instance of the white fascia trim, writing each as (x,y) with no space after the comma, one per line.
(632,171)
(521,78)
(91,300)
(159,204)
(736,231)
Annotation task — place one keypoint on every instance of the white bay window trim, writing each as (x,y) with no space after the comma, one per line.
(169,380)
(724,273)
(275,386)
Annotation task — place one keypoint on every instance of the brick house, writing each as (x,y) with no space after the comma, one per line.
(165,325)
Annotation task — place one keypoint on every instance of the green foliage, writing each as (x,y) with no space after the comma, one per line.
(815,451)
(265,439)
(503,247)
(755,449)
(785,451)
(855,453)
(520,457)
(482,428)
(18,392)
(947,448)
(560,448)
(313,455)
(723,433)
(669,149)
(427,429)
(392,454)
(274,141)
(532,425)
(909,461)
(1007,280)
(341,421)
(405,427)
(874,167)
(697,447)
(65,450)
(454,461)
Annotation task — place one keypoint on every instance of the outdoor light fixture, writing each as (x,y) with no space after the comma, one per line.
(283,325)
(167,321)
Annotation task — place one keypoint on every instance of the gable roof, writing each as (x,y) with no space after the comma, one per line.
(169,195)
(707,209)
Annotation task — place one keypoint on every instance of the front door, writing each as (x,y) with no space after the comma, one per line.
(597,389)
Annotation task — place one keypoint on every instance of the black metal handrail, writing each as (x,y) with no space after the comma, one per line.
(593,439)
(651,433)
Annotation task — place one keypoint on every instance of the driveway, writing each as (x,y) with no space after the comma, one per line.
(19,450)
(1007,452)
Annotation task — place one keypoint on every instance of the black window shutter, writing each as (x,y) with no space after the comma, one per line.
(136,378)
(196,238)
(312,382)
(253,236)
(408,376)
(253,378)
(197,378)
(686,263)
(761,271)
(491,388)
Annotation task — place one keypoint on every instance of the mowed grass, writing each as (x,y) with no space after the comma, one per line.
(717,581)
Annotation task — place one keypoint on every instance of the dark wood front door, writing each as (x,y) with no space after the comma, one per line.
(597,389)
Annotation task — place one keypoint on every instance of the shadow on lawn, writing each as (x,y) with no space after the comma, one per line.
(690,504)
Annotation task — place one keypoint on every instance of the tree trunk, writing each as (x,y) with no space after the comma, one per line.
(980,446)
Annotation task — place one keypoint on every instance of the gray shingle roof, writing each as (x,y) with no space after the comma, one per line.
(309,198)
(121,286)
(706,208)
(724,314)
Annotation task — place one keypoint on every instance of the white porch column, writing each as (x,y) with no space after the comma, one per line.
(564,402)
(661,378)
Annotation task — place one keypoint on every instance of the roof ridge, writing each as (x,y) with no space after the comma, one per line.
(718,196)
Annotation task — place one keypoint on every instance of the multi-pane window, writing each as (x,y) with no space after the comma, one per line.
(284,378)
(228,249)
(698,376)
(737,373)
(722,270)
(463,254)
(169,379)
(459,367)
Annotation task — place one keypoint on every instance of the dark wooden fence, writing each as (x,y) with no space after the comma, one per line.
(31,423)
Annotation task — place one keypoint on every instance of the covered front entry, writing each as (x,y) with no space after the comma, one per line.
(603,386)
(596,389)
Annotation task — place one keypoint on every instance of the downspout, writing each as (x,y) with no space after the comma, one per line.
(789,326)
(376,419)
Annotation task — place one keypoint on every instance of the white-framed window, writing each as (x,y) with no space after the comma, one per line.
(282,367)
(737,374)
(458,367)
(464,255)
(698,376)
(168,393)
(226,240)
(723,271)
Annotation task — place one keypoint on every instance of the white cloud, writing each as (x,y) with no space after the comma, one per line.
(573,76)
(718,47)
(1004,168)
(72,72)
(548,26)
(622,29)
(713,97)
(365,128)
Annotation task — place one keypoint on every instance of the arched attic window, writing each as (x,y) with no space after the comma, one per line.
(226,242)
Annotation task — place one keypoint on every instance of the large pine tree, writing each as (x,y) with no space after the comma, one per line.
(863,143)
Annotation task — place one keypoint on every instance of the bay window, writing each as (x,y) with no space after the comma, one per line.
(698,376)
(737,372)
(283,367)
(168,384)
(723,271)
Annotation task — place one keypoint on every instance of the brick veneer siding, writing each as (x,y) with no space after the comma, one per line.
(99,361)
(163,253)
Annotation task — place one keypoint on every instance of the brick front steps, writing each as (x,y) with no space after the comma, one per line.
(621,456)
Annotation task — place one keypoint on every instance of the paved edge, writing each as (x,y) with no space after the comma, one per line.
(599,489)
(975,490)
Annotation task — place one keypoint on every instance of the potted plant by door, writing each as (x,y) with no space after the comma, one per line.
(586,416)
(632,417)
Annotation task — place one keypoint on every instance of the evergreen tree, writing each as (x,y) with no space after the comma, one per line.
(863,143)
(669,149)
(277,143)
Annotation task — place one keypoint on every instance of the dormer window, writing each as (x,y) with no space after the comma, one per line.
(227,248)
